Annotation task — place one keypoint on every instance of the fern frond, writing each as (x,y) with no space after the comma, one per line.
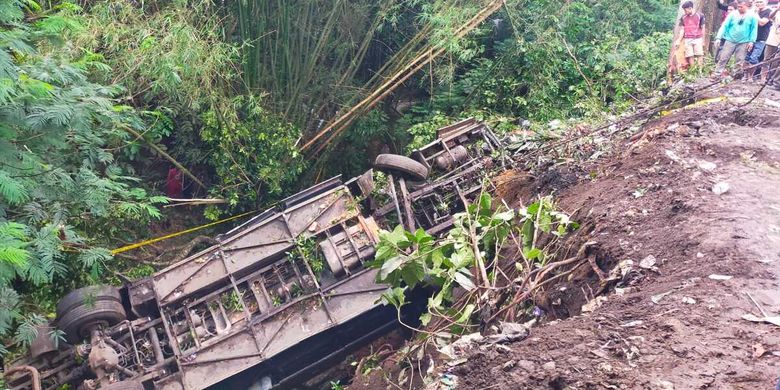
(10,12)
(27,330)
(8,273)
(159,200)
(152,212)
(7,86)
(13,245)
(14,256)
(94,255)
(13,230)
(9,300)
(12,190)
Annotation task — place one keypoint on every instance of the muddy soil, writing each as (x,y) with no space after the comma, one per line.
(709,259)
(678,325)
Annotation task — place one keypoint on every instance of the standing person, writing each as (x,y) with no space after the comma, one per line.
(692,24)
(731,7)
(772,43)
(174,186)
(739,30)
(726,7)
(764,24)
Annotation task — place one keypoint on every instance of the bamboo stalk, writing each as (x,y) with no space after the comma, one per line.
(312,60)
(397,79)
(164,154)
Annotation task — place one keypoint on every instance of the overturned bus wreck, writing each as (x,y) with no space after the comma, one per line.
(279,294)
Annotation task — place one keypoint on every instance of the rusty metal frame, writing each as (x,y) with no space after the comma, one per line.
(365,290)
(407,202)
(35,376)
(304,209)
(394,197)
(330,239)
(341,191)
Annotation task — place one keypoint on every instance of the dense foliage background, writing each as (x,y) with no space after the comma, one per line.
(91,92)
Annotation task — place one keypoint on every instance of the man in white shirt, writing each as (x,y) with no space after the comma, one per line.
(771,56)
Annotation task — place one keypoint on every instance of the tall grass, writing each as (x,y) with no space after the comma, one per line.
(303,53)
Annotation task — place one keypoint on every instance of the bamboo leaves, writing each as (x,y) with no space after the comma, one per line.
(301,52)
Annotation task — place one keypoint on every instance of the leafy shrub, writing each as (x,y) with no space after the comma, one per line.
(65,193)
(467,257)
(254,152)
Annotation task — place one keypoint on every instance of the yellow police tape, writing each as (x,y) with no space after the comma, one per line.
(697,104)
(158,239)
(700,103)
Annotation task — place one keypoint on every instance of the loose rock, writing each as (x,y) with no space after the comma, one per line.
(721,188)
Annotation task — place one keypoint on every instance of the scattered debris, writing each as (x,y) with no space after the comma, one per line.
(771,103)
(597,349)
(649,263)
(632,324)
(593,304)
(510,332)
(639,192)
(604,367)
(625,273)
(721,188)
(461,346)
(663,385)
(758,350)
(509,365)
(600,353)
(444,382)
(457,362)
(672,156)
(706,165)
(760,309)
(720,277)
(620,291)
(526,365)
(658,297)
(769,320)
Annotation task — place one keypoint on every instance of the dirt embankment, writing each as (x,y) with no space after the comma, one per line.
(699,262)
(677,262)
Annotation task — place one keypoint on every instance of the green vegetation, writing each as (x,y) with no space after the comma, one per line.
(67,188)
(96,104)
(306,249)
(233,301)
(470,257)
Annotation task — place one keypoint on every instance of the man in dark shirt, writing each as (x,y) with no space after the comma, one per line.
(764,24)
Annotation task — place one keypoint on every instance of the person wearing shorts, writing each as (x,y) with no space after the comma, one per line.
(692,24)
